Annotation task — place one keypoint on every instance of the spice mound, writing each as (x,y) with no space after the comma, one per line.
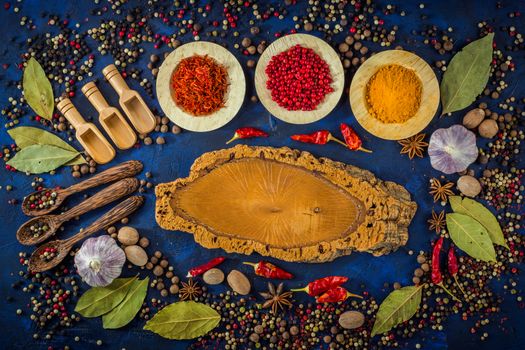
(199,85)
(393,94)
(299,79)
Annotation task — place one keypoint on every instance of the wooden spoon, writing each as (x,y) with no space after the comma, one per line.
(87,134)
(37,262)
(121,171)
(53,222)
(130,101)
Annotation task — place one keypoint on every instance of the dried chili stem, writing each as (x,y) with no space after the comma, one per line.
(459,286)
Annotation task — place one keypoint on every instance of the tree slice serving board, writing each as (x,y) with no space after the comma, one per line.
(286,204)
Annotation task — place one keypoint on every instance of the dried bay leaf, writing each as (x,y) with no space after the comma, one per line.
(481,214)
(470,236)
(467,75)
(98,301)
(126,311)
(399,306)
(37,159)
(37,89)
(25,136)
(184,320)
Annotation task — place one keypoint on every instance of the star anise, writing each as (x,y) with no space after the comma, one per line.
(437,222)
(275,298)
(190,290)
(440,191)
(414,145)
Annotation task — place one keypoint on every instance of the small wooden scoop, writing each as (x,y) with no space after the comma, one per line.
(110,118)
(130,101)
(87,134)
(61,248)
(121,171)
(53,222)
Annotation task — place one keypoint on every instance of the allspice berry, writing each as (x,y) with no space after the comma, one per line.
(158,271)
(246,42)
(343,47)
(488,128)
(473,118)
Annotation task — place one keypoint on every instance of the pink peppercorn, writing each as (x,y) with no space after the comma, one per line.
(298,79)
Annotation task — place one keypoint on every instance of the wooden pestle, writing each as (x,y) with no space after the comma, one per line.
(87,134)
(110,118)
(130,101)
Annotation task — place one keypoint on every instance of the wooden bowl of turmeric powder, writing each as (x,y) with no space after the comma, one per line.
(394,94)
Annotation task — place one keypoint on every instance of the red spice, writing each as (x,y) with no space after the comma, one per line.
(199,270)
(298,78)
(269,270)
(322,285)
(336,295)
(246,133)
(199,85)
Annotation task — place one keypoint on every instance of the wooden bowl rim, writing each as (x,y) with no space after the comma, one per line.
(234,95)
(326,52)
(429,97)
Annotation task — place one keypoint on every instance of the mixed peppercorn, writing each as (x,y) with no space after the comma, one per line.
(70,59)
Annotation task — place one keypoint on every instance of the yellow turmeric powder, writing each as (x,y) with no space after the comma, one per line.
(393,94)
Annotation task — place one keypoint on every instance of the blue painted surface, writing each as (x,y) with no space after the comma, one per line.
(174,159)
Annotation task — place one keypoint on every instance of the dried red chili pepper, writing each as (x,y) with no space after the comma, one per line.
(246,133)
(321,137)
(335,295)
(353,141)
(321,285)
(453,267)
(437,276)
(269,270)
(199,270)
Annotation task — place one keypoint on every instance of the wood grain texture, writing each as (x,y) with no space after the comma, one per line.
(63,247)
(98,200)
(286,204)
(234,95)
(321,48)
(121,171)
(429,98)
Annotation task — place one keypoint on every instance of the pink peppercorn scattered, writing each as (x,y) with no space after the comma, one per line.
(299,79)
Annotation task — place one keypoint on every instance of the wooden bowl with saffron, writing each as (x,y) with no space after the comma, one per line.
(321,48)
(233,98)
(422,115)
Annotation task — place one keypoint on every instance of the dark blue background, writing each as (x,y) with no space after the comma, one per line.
(173,160)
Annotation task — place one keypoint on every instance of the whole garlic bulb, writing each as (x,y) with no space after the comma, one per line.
(453,149)
(99,261)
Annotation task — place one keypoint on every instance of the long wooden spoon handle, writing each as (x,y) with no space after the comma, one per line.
(101,198)
(121,171)
(119,212)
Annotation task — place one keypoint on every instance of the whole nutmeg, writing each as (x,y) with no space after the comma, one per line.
(351,319)
(469,186)
(238,282)
(473,118)
(488,128)
(136,255)
(128,235)
(213,276)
